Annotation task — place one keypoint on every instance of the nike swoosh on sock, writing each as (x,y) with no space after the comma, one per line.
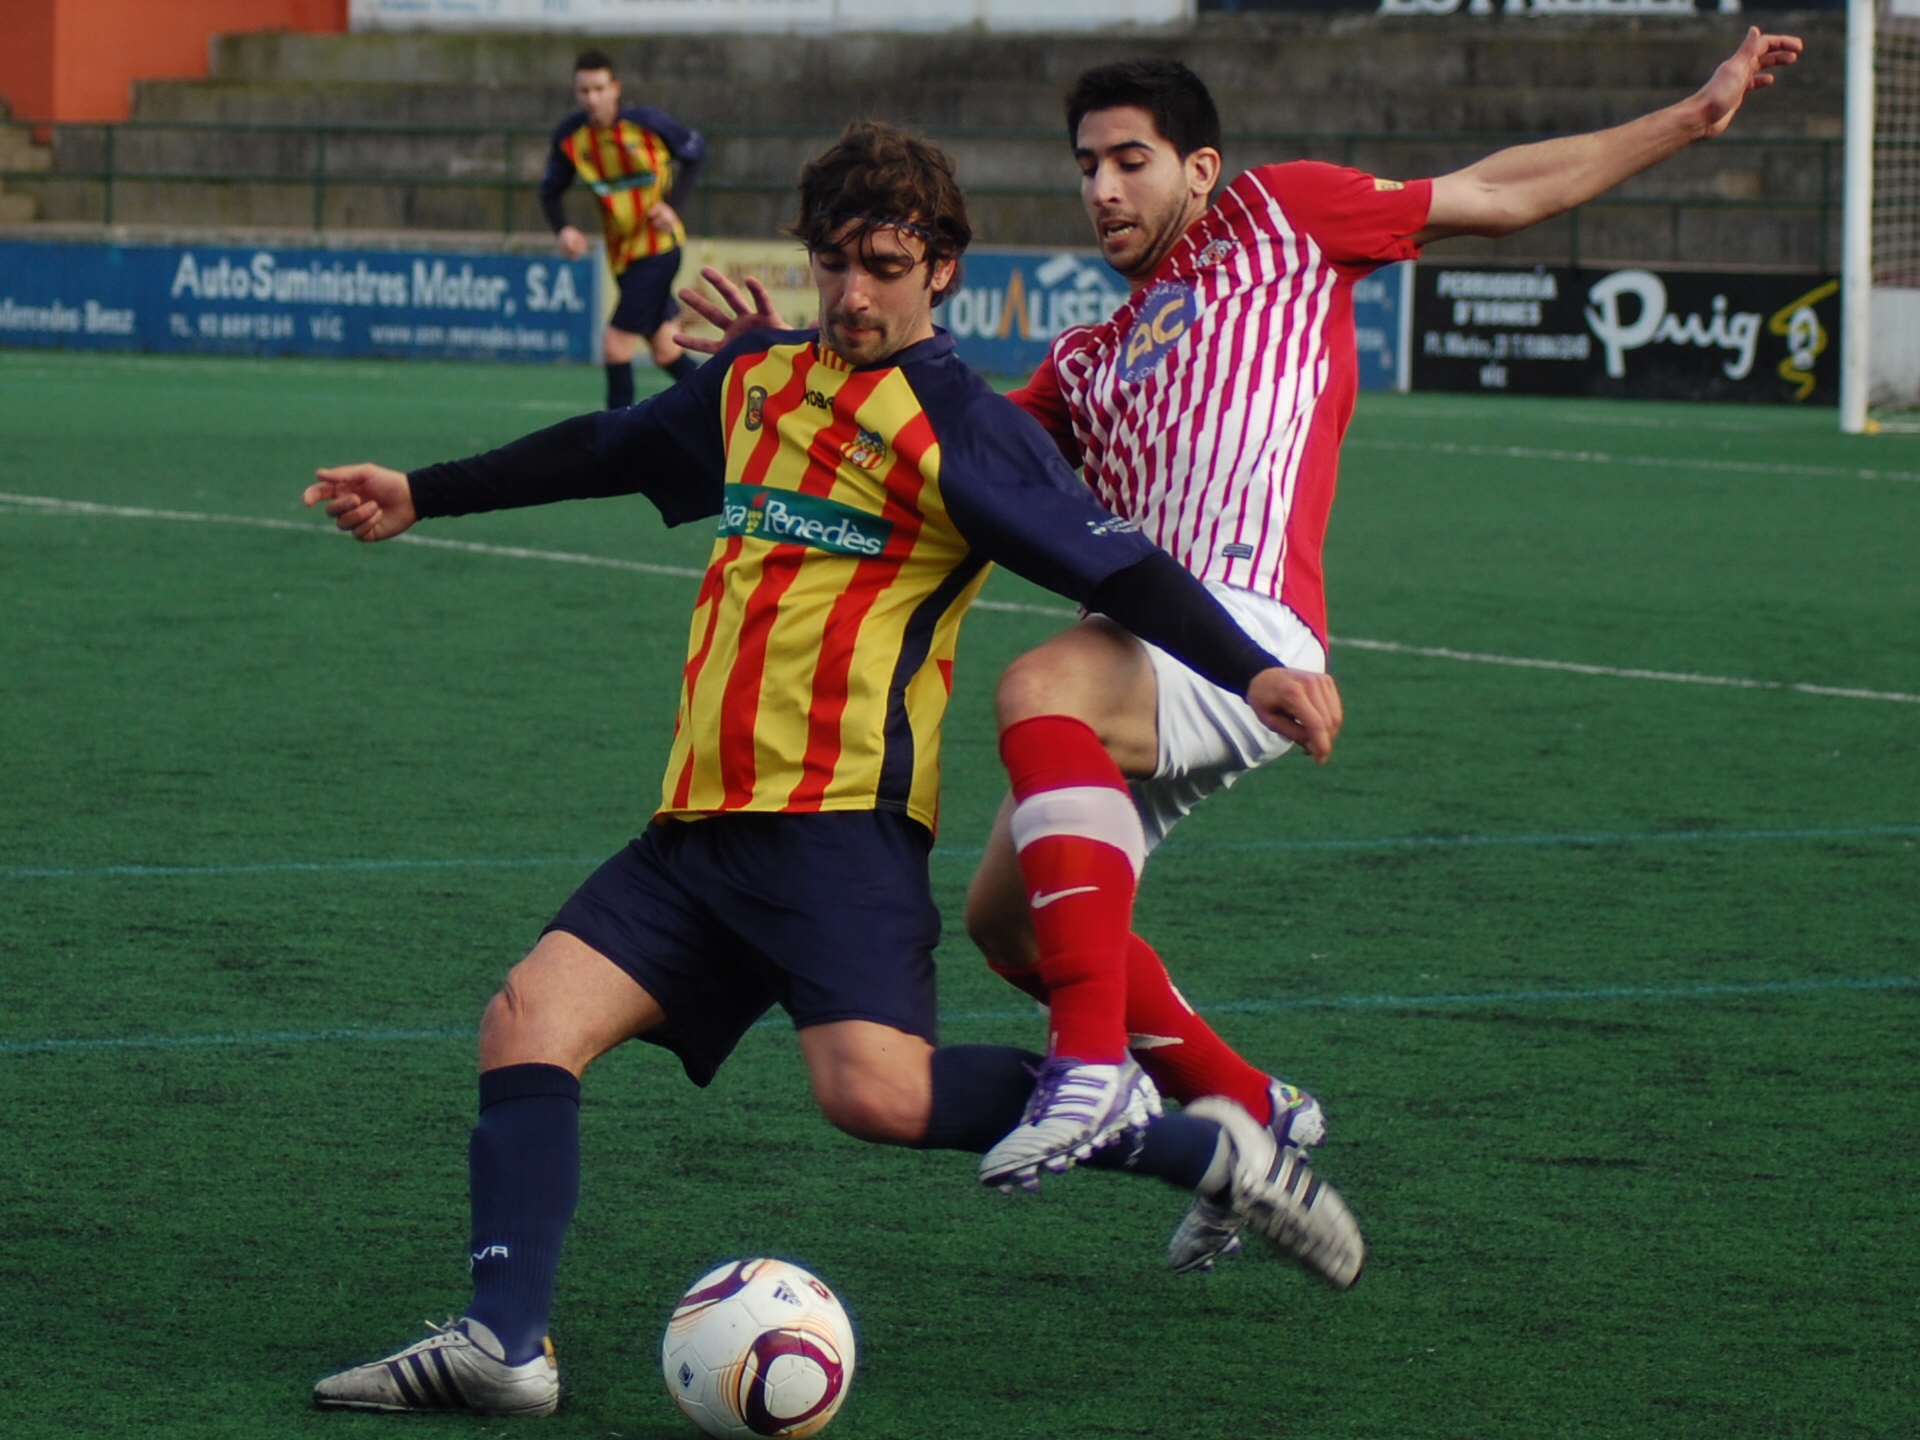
(1041,901)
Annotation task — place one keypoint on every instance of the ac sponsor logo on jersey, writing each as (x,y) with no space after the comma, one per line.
(817,400)
(756,406)
(1238,550)
(786,517)
(1217,250)
(866,449)
(1166,313)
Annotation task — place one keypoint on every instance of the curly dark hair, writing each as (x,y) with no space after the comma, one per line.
(879,177)
(1183,111)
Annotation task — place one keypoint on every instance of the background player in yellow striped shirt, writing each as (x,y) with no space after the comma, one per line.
(862,480)
(640,164)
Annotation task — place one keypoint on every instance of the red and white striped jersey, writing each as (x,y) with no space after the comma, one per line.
(1211,405)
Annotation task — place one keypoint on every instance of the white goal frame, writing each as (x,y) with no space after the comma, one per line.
(1880,328)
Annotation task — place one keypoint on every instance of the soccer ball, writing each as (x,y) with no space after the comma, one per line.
(758,1347)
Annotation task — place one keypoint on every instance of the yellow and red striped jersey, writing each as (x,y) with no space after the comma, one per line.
(859,510)
(643,158)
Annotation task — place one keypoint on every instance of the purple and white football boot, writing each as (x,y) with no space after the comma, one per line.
(1076,1109)
(1212,1227)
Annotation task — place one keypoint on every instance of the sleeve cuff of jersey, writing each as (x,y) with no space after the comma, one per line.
(1160,602)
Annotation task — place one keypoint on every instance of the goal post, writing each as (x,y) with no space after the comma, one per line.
(1880,250)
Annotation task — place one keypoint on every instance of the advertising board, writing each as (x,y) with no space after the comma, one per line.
(692,17)
(1674,335)
(1012,303)
(276,300)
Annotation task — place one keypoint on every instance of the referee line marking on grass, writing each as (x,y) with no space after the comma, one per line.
(1655,462)
(1449,1000)
(965,852)
(54,505)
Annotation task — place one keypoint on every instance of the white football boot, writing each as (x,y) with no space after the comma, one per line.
(1272,1188)
(1211,1229)
(460,1366)
(1076,1109)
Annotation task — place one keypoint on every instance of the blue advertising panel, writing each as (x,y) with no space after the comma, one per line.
(277,300)
(1012,303)
(1383,327)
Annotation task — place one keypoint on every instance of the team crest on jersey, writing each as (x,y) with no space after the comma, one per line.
(1216,251)
(756,406)
(866,449)
(1166,312)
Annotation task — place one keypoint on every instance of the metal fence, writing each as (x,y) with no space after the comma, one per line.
(494,159)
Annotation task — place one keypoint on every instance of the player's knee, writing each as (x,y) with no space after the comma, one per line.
(1037,683)
(879,1116)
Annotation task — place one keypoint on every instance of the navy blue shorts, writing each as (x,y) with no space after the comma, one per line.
(830,916)
(646,293)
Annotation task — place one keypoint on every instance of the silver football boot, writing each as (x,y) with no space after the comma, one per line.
(1272,1188)
(1211,1228)
(460,1366)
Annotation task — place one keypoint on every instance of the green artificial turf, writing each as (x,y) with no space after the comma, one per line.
(1611,985)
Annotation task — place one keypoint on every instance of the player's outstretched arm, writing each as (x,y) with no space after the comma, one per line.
(368,501)
(748,316)
(1301,705)
(1515,188)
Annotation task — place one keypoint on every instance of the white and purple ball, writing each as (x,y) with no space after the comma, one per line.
(758,1347)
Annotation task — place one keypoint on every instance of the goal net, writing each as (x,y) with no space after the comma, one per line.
(1886,358)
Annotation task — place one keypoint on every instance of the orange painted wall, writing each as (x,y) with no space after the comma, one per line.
(78,59)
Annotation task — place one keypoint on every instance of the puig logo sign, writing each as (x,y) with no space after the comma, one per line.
(1656,325)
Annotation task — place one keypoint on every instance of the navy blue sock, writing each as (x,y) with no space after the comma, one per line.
(619,386)
(523,1165)
(682,367)
(979,1094)
(1177,1147)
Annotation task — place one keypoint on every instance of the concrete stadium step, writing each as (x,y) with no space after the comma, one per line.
(709,103)
(1423,81)
(1235,52)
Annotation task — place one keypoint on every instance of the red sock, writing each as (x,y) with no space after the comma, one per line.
(1179,1049)
(1080,847)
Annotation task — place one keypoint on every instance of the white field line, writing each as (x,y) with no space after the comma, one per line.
(1653,462)
(1675,677)
(52,505)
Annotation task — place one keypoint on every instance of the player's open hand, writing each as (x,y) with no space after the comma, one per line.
(370,502)
(1301,705)
(748,315)
(663,217)
(1748,68)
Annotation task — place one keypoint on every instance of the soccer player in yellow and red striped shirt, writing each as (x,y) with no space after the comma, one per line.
(640,164)
(862,480)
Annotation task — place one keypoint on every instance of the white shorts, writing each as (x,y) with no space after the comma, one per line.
(1210,737)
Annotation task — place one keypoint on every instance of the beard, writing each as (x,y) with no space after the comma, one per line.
(1147,244)
(870,338)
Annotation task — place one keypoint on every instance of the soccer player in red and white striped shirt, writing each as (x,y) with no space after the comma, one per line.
(1209,410)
